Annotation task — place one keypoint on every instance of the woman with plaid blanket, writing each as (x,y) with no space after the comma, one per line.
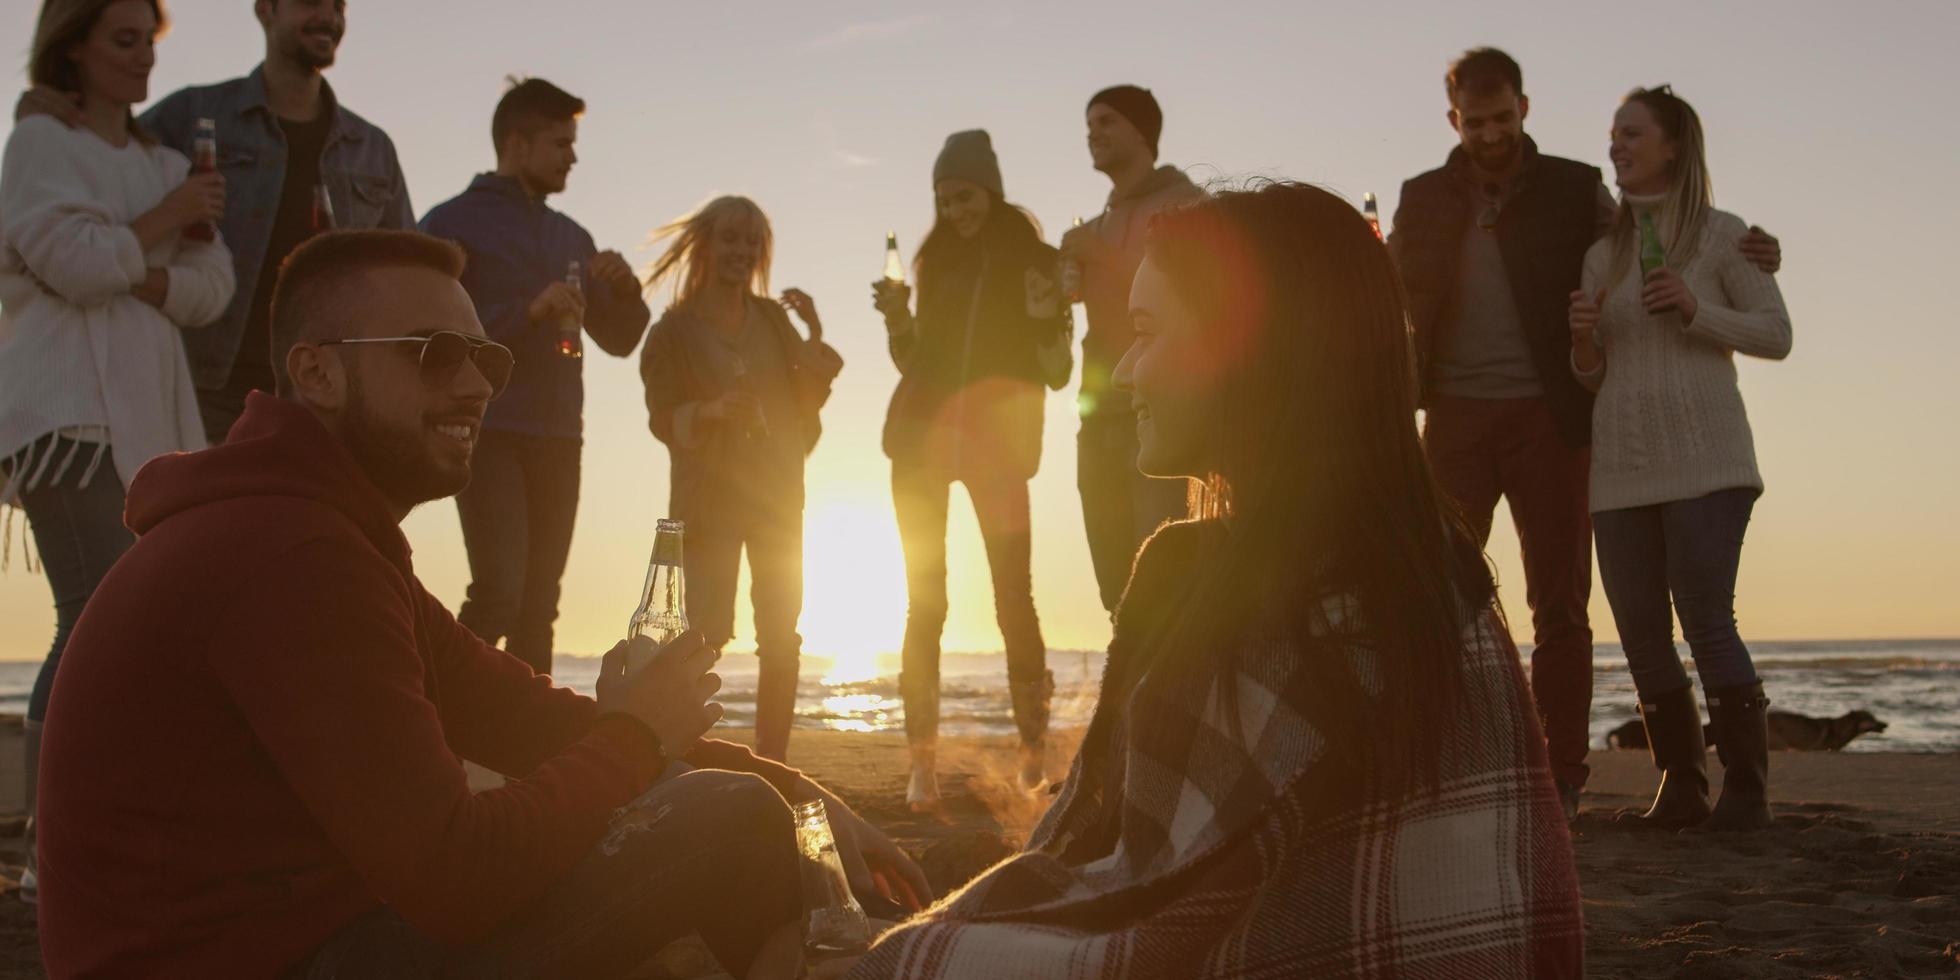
(1314,754)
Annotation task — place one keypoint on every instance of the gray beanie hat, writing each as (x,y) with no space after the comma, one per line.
(969,155)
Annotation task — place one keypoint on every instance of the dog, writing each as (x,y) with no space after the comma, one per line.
(1787,730)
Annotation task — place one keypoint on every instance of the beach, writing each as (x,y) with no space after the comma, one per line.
(1860,877)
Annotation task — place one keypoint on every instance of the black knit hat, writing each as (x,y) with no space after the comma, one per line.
(1138,106)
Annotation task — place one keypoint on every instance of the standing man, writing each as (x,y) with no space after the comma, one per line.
(519,508)
(1120,506)
(281,135)
(1490,247)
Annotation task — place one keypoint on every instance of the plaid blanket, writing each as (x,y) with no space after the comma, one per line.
(1246,850)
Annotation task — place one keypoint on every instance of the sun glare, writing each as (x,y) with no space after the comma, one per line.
(853,588)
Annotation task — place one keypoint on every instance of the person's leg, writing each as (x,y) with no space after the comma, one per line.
(495,513)
(1457,439)
(919,495)
(1002,509)
(78,534)
(219,410)
(704,852)
(551,481)
(920,498)
(1545,481)
(1633,567)
(1704,554)
(776,592)
(1704,541)
(1103,477)
(712,558)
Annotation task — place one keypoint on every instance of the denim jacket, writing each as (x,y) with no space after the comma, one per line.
(358,165)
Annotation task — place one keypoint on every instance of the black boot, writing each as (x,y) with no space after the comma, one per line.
(1673,723)
(1741,719)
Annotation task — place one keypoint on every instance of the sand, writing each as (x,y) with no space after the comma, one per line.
(1860,877)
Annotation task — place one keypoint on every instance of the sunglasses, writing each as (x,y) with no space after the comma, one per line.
(444,352)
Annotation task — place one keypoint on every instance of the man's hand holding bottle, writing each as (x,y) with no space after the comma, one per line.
(670,695)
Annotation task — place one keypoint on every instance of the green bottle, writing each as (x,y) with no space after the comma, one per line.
(1652,255)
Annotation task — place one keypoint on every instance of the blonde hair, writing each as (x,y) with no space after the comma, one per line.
(685,261)
(1690,191)
(64,24)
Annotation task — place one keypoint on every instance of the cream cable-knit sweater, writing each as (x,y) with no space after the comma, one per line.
(78,352)
(1669,423)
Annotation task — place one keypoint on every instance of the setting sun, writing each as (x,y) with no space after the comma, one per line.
(854,586)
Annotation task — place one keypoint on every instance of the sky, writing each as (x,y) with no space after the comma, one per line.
(1825,124)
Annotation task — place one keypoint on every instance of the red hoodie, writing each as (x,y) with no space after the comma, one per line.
(258,729)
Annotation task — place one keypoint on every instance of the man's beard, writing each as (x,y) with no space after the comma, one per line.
(396,461)
(302,54)
(1496,159)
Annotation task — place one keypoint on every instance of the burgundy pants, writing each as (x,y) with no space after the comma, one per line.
(1483,449)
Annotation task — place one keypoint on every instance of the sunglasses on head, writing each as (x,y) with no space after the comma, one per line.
(443,353)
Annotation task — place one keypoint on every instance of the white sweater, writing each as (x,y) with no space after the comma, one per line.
(1669,423)
(78,353)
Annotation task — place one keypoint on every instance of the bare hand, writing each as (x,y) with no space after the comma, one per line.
(612,269)
(154,288)
(799,302)
(1762,249)
(1083,246)
(558,301)
(1666,292)
(45,100)
(1583,317)
(736,406)
(892,299)
(669,695)
(199,200)
(874,865)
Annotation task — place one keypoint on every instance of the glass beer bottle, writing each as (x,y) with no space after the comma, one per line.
(1652,254)
(662,616)
(569,325)
(894,263)
(204,159)
(835,925)
(322,218)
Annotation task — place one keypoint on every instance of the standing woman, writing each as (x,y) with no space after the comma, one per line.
(1673,463)
(96,278)
(734,391)
(991,333)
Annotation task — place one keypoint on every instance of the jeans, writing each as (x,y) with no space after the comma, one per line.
(517,516)
(1686,551)
(706,852)
(78,532)
(1484,449)
(1120,506)
(712,556)
(921,496)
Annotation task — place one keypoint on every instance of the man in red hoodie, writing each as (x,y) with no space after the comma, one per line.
(253,760)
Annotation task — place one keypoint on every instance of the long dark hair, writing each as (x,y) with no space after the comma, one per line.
(1007,230)
(1318,471)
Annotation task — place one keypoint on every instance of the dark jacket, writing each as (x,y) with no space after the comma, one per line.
(358,165)
(971,386)
(1543,231)
(517,246)
(258,733)
(676,369)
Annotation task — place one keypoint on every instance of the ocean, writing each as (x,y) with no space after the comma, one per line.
(1912,685)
